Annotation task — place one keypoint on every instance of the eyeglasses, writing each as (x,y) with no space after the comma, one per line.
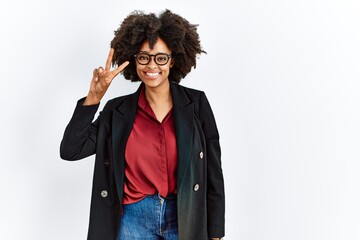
(159,58)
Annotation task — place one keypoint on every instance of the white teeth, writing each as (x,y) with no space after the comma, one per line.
(152,74)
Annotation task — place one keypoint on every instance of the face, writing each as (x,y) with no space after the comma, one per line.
(152,74)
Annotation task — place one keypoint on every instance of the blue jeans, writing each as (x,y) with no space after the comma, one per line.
(152,218)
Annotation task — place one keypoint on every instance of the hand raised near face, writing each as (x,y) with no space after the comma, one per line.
(102,79)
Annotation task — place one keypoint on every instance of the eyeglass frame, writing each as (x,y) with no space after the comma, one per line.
(152,56)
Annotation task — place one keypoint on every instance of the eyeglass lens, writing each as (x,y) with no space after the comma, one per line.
(160,58)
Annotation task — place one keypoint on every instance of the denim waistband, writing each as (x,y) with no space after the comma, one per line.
(171,196)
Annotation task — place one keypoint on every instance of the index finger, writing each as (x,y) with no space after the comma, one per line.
(109,59)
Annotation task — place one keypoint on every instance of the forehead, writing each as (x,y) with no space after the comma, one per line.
(159,47)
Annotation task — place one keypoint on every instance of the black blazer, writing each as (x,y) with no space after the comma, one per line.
(200,186)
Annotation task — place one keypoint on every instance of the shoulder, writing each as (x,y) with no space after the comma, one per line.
(124,102)
(194,95)
(191,91)
(185,95)
(115,102)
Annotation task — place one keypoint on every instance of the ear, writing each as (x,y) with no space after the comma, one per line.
(172,62)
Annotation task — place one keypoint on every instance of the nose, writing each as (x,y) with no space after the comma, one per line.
(152,64)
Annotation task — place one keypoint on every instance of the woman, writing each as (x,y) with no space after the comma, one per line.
(157,170)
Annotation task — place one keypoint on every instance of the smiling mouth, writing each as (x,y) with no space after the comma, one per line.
(154,74)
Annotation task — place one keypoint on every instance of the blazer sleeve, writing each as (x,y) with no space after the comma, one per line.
(215,181)
(79,140)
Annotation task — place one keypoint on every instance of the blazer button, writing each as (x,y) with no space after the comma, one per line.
(196,187)
(106,162)
(201,155)
(104,193)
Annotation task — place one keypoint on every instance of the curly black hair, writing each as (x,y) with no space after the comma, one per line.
(180,36)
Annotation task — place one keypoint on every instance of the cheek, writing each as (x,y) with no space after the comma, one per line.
(165,69)
(139,69)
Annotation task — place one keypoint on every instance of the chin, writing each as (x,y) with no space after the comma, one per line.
(154,83)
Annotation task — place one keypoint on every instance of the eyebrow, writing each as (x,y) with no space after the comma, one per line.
(155,53)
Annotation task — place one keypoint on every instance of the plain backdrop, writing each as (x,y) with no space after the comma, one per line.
(283,81)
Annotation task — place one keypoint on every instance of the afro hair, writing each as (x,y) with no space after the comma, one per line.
(180,36)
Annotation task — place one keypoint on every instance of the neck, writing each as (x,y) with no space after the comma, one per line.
(158,95)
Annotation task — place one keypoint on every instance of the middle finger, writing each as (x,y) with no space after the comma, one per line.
(109,59)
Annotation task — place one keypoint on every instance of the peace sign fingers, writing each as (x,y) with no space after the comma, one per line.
(102,79)
(115,72)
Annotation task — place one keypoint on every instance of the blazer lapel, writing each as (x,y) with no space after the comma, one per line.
(122,121)
(183,110)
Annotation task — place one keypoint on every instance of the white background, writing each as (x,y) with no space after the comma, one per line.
(282,78)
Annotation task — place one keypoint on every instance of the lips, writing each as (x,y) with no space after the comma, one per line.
(152,75)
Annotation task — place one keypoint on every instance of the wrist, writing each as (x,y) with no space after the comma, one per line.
(91,99)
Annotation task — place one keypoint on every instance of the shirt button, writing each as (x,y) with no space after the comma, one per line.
(201,155)
(196,187)
(106,162)
(104,193)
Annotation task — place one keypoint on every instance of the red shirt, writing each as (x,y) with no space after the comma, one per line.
(151,155)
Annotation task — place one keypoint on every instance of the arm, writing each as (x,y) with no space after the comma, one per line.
(79,139)
(215,182)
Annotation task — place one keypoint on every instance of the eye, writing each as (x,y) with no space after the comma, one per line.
(161,58)
(143,57)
